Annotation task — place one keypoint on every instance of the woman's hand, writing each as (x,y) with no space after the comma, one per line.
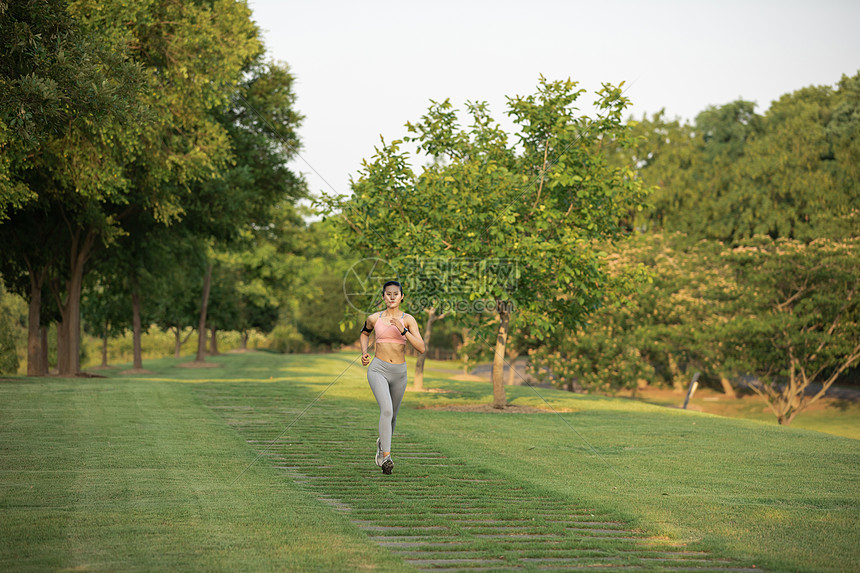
(365,359)
(398,323)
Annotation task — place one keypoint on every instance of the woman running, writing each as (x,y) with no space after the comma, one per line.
(387,373)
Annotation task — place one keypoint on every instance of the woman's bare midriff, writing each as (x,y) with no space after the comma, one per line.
(391,353)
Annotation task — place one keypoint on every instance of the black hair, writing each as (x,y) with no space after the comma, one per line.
(392,283)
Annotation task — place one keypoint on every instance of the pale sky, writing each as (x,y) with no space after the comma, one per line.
(363,69)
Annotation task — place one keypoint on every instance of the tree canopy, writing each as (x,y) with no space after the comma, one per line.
(733,174)
(503,222)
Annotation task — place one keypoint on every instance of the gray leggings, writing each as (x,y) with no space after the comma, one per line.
(388,382)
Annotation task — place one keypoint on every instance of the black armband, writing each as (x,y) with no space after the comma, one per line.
(365,329)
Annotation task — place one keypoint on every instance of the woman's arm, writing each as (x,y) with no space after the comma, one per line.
(364,339)
(413,335)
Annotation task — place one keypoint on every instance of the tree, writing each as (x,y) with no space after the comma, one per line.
(107,312)
(11,317)
(794,180)
(797,324)
(658,333)
(240,301)
(517,222)
(322,309)
(256,195)
(433,316)
(423,285)
(24,264)
(521,341)
(125,121)
(295,253)
(68,101)
(179,284)
(734,174)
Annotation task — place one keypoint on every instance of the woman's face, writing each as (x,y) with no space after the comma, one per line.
(392,295)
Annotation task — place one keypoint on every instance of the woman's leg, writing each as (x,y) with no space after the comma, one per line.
(378,379)
(397,386)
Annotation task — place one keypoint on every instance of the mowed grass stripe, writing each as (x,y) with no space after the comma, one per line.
(128,475)
(509,525)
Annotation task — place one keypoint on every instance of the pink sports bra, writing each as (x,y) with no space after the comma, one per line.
(388,332)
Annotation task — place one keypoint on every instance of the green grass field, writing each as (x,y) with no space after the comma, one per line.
(836,416)
(265,464)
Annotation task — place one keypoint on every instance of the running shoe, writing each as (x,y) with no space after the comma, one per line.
(378,452)
(387,465)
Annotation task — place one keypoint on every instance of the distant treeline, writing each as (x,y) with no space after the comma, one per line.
(143,181)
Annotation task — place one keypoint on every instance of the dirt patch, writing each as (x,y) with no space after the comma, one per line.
(199,365)
(469,378)
(488,409)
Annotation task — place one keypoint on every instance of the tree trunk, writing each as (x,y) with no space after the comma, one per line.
(512,369)
(177,348)
(418,378)
(244,340)
(201,326)
(179,341)
(44,365)
(464,336)
(135,322)
(214,345)
(69,331)
(727,387)
(104,349)
(61,343)
(35,366)
(499,400)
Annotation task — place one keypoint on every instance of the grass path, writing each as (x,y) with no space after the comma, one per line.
(164,471)
(441,512)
